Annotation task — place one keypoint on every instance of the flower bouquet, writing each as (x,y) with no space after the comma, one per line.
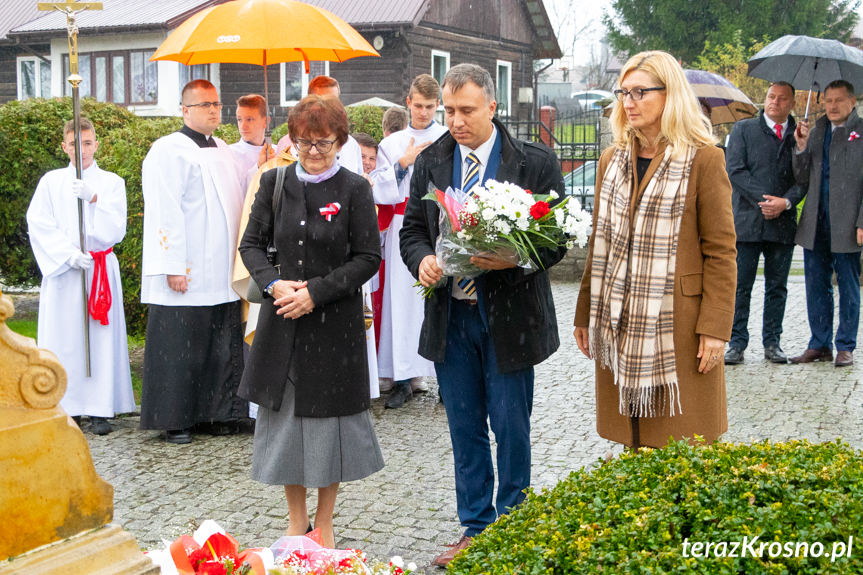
(304,555)
(506,220)
(210,551)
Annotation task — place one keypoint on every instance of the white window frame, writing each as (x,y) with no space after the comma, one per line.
(508,91)
(305,91)
(440,54)
(41,91)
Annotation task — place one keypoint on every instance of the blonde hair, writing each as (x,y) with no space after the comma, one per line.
(682,122)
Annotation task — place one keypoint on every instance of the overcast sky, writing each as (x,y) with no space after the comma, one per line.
(585,17)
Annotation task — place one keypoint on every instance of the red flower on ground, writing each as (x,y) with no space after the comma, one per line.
(211,568)
(539,210)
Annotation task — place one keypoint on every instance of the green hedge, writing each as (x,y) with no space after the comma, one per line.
(367,119)
(642,513)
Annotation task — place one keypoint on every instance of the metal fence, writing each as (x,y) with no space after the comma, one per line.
(574,137)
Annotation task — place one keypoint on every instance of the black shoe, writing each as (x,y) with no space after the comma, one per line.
(774,353)
(734,356)
(400,394)
(178,436)
(100,426)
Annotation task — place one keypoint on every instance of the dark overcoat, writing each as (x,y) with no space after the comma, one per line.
(846,184)
(518,303)
(325,350)
(759,163)
(705,278)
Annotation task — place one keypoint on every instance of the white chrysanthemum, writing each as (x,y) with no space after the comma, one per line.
(397,561)
(554,195)
(502,226)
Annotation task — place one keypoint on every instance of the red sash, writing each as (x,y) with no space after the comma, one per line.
(99,302)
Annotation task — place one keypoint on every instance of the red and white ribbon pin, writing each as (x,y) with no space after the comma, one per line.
(330,210)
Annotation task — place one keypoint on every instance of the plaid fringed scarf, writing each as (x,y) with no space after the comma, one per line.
(632,282)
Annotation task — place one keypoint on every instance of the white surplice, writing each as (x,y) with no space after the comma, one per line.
(192,205)
(403,308)
(52,221)
(246,155)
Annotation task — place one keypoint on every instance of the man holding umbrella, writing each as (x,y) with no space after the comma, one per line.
(828,160)
(758,162)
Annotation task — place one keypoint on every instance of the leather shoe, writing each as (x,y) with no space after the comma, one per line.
(810,355)
(100,426)
(400,394)
(733,356)
(844,358)
(178,436)
(444,558)
(775,354)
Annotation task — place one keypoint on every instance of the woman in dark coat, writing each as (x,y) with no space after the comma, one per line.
(308,367)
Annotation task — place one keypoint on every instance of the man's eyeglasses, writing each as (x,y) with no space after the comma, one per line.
(322,146)
(636,93)
(205,105)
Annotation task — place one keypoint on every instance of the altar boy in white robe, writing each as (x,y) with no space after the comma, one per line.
(402,307)
(193,358)
(252,124)
(52,221)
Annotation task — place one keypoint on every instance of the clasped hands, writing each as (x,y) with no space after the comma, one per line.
(292,298)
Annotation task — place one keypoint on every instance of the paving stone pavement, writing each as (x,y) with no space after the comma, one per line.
(162,491)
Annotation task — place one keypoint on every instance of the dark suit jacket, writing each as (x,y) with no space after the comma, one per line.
(324,352)
(757,164)
(846,184)
(518,303)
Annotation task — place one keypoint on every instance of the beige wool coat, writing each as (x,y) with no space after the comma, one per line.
(705,280)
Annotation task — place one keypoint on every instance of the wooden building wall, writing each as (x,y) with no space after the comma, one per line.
(9,69)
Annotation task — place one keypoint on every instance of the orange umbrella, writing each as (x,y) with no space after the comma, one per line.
(263,32)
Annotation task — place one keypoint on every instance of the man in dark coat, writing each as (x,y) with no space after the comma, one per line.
(758,161)
(484,338)
(830,163)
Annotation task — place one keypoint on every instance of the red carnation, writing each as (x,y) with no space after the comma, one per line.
(539,210)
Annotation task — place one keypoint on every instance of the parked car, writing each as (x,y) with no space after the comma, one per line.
(579,183)
(589,99)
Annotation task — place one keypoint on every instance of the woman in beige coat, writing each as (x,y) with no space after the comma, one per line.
(657,297)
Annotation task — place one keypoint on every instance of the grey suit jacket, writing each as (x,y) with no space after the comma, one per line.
(846,184)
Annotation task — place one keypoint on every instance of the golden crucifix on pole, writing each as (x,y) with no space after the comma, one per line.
(70,8)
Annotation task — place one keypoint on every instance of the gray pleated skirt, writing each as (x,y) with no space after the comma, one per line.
(313,451)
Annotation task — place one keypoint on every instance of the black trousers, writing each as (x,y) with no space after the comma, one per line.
(777,263)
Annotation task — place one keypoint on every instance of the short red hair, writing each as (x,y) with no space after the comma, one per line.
(318,116)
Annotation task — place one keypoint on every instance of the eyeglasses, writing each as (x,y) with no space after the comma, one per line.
(205,105)
(322,146)
(636,93)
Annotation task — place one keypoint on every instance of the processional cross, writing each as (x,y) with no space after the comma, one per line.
(70,8)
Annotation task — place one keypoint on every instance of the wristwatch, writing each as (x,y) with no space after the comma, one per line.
(269,288)
(787,204)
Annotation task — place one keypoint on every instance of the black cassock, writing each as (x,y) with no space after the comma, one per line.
(193,366)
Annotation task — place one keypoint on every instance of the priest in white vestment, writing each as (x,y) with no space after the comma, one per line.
(193,358)
(402,307)
(52,221)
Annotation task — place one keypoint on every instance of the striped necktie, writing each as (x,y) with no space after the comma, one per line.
(471,180)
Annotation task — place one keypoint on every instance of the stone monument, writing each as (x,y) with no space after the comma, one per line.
(55,509)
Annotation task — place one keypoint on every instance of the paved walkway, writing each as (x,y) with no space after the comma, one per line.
(162,491)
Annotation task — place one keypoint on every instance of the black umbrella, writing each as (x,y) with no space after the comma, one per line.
(804,61)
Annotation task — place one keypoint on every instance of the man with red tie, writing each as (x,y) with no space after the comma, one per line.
(764,195)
